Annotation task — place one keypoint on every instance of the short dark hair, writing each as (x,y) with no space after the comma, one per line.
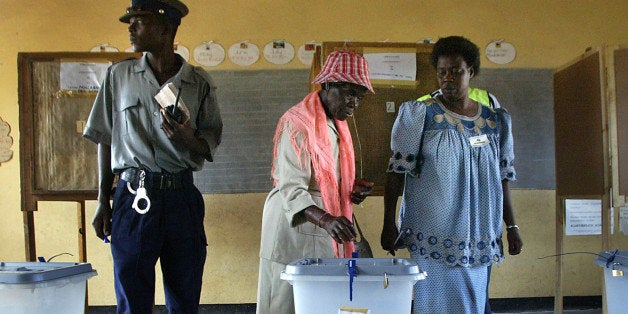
(457,46)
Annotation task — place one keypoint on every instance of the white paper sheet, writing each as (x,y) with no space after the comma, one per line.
(584,217)
(623,220)
(168,96)
(392,66)
(82,76)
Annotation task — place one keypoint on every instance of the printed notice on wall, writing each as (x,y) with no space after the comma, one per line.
(623,220)
(583,217)
(392,66)
(82,76)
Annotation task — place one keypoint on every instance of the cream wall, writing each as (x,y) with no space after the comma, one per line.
(547,34)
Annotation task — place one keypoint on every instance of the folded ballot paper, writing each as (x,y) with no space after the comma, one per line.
(167,97)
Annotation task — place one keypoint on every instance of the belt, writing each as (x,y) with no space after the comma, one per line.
(156,180)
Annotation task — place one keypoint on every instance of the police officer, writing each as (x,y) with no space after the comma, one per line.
(157,211)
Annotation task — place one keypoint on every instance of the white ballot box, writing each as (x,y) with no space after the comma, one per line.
(352,285)
(615,264)
(31,287)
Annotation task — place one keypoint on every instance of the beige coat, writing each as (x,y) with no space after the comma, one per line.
(286,235)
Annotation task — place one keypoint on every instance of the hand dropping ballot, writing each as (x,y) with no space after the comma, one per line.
(169,97)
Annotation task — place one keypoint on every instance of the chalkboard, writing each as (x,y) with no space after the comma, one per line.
(527,94)
(251,103)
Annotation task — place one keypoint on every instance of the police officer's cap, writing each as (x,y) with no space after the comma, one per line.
(174,10)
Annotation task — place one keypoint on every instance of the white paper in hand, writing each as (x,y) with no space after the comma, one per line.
(166,98)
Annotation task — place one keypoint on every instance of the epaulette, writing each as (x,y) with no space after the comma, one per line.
(123,60)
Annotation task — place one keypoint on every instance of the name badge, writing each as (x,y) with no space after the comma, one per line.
(478,141)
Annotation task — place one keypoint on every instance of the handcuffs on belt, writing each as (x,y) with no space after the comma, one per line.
(140,193)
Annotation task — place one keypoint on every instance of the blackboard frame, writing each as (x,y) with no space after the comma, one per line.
(32,145)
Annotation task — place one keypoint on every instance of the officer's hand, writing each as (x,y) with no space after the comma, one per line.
(102,220)
(176,132)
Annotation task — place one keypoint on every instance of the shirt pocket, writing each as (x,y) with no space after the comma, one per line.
(127,115)
(309,229)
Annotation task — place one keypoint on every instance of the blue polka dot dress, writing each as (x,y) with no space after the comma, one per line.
(451,210)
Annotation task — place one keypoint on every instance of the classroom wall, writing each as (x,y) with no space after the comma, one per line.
(547,34)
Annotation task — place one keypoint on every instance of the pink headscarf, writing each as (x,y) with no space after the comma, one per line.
(308,118)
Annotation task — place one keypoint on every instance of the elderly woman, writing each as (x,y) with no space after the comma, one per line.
(452,159)
(308,213)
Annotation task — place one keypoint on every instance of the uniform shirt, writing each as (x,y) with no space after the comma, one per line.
(126,116)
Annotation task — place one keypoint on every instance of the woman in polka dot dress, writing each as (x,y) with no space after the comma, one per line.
(452,159)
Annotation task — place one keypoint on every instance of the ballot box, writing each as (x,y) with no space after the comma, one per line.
(615,264)
(31,287)
(352,285)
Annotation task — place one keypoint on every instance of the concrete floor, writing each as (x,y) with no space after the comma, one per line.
(250,309)
(591,311)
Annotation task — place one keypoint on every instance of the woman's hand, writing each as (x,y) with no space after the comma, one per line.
(388,238)
(339,228)
(515,244)
(361,189)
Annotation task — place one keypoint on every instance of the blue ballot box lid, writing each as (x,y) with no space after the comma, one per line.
(34,272)
(332,285)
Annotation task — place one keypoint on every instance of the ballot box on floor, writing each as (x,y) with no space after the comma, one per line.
(31,287)
(615,264)
(353,285)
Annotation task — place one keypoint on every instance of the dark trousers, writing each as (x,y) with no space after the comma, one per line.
(171,231)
